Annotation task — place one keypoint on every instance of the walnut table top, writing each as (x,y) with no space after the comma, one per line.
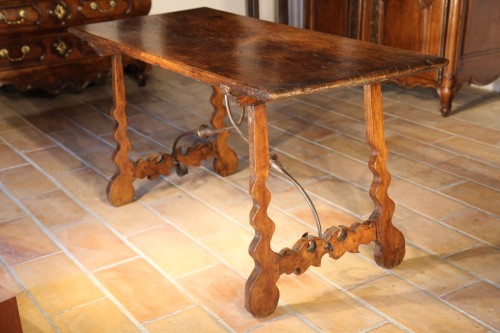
(254,58)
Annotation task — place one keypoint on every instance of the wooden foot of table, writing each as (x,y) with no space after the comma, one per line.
(120,189)
(261,293)
(390,243)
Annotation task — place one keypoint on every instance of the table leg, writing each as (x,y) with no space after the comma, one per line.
(390,242)
(120,189)
(261,292)
(225,159)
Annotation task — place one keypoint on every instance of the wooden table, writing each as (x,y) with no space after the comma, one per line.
(254,62)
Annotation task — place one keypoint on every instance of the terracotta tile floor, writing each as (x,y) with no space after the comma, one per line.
(176,260)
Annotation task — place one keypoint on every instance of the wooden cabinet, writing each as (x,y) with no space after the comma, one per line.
(467,32)
(37,52)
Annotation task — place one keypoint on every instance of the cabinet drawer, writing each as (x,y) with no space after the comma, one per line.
(19,15)
(43,50)
(103,9)
(23,16)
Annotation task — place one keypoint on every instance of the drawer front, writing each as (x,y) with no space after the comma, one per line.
(23,16)
(103,9)
(46,50)
(22,54)
(19,16)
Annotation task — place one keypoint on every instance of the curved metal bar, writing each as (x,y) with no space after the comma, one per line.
(276,165)
(203,132)
(180,169)
(231,118)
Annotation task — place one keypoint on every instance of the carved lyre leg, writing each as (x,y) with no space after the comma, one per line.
(225,159)
(120,189)
(261,292)
(390,242)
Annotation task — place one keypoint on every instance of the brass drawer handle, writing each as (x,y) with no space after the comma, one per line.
(22,16)
(95,6)
(4,53)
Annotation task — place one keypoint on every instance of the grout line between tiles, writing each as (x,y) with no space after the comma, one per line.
(168,315)
(79,306)
(290,314)
(451,134)
(444,224)
(441,300)
(117,263)
(466,285)
(14,166)
(374,327)
(444,258)
(363,302)
(459,182)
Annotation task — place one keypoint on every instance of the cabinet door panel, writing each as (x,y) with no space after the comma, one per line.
(331,16)
(416,25)
(482,14)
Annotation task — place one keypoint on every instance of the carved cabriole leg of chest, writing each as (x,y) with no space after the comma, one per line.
(390,242)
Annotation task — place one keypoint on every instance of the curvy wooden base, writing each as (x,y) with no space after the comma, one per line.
(261,293)
(120,189)
(390,242)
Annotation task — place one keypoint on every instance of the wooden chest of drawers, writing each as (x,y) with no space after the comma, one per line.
(467,32)
(37,52)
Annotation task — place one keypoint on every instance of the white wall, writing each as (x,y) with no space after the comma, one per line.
(164,6)
(233,6)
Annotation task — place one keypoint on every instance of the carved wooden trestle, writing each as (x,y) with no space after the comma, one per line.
(262,294)
(120,189)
